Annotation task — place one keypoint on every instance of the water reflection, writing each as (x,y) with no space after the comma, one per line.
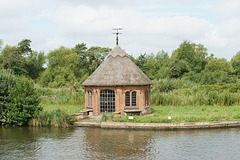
(118,143)
(96,143)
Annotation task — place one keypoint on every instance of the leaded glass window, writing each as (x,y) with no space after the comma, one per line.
(127,99)
(131,99)
(146,99)
(90,99)
(107,100)
(134,99)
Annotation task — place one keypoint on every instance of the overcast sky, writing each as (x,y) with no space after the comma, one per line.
(149,26)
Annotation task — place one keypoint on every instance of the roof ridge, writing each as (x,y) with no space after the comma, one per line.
(117,51)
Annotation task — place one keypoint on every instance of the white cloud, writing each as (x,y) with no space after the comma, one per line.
(149,26)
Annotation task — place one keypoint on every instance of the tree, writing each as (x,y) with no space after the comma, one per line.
(24,47)
(193,54)
(96,56)
(24,102)
(235,61)
(12,59)
(178,68)
(7,81)
(22,60)
(18,99)
(218,71)
(61,69)
(34,64)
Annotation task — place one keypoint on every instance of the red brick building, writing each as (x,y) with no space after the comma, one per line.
(117,85)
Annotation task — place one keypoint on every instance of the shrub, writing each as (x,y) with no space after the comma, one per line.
(104,117)
(7,81)
(55,118)
(23,102)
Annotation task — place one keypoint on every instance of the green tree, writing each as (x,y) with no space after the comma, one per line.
(218,71)
(34,64)
(193,54)
(178,68)
(61,69)
(24,102)
(235,61)
(13,59)
(24,46)
(96,56)
(7,81)
(22,60)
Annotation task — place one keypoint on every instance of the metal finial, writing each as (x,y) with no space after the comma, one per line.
(118,28)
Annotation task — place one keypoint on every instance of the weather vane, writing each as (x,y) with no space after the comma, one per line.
(117,29)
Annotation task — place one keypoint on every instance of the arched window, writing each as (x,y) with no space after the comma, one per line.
(127,99)
(146,99)
(131,99)
(134,99)
(90,99)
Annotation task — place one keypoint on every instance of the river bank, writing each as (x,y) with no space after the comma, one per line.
(160,126)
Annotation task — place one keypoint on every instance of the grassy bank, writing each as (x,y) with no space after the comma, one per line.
(67,108)
(186,114)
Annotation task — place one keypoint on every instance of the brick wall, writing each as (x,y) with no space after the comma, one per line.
(119,97)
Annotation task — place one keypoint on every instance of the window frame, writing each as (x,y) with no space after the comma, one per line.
(89,99)
(146,98)
(132,100)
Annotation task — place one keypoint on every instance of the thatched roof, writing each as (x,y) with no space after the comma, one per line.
(117,70)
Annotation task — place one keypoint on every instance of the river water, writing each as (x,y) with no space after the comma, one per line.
(96,143)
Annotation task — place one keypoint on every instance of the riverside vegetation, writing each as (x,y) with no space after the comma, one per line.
(189,86)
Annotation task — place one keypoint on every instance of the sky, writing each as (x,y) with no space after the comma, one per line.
(149,26)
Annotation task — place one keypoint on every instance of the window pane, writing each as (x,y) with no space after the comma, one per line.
(89,99)
(127,98)
(134,99)
(146,98)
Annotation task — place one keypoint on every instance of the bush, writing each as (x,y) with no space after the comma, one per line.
(55,118)
(7,81)
(23,102)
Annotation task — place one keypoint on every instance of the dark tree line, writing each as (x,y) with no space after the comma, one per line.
(61,66)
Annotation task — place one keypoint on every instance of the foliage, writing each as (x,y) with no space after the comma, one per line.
(193,54)
(107,117)
(66,107)
(235,61)
(7,82)
(19,101)
(34,64)
(61,69)
(22,60)
(104,117)
(23,102)
(166,85)
(55,118)
(1,43)
(61,96)
(225,95)
(218,71)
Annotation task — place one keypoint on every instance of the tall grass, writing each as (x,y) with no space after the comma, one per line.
(223,95)
(55,118)
(61,96)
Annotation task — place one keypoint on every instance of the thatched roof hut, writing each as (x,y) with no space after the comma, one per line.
(117,70)
(117,85)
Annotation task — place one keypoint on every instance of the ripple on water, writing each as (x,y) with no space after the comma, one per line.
(96,143)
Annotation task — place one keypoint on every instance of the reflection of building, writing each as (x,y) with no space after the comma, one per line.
(118,144)
(117,85)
